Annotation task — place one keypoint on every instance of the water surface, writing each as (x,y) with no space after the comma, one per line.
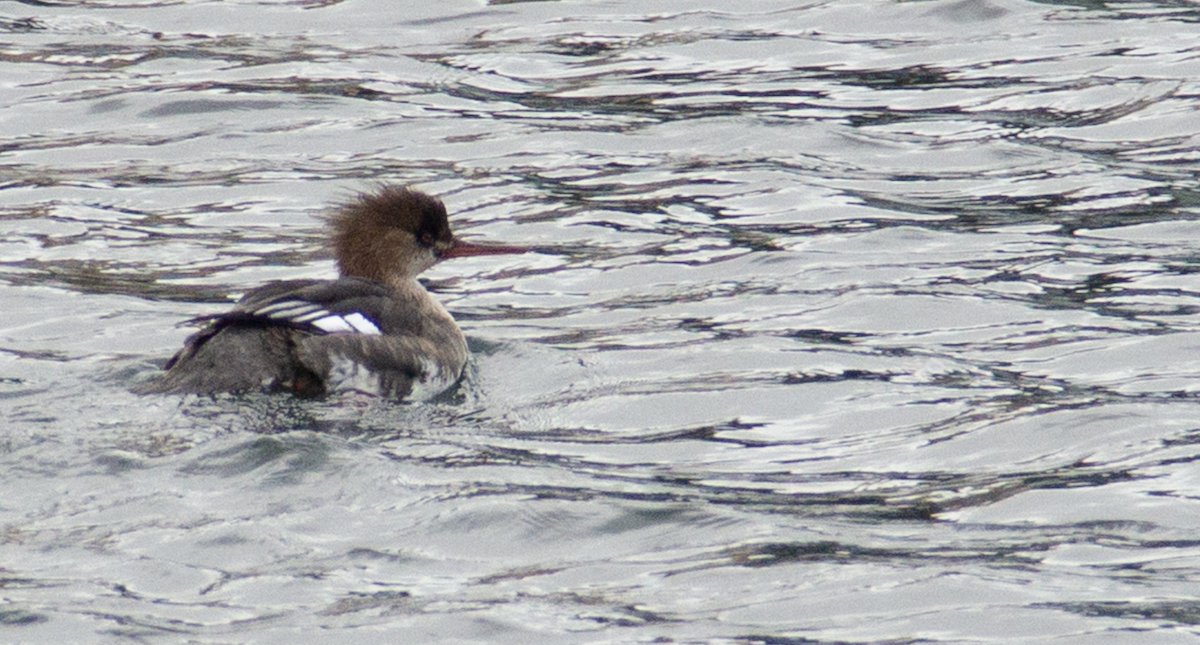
(855,322)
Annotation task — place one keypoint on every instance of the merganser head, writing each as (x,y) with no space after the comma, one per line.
(395,233)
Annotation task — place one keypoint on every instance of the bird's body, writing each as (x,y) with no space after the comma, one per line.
(375,329)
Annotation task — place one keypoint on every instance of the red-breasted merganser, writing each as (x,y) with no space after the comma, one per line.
(374,329)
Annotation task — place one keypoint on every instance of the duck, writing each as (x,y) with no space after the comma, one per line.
(374,329)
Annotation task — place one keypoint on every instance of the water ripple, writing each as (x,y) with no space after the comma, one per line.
(846,321)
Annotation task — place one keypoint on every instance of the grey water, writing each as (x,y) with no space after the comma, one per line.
(853,322)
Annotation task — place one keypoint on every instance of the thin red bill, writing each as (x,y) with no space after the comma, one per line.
(463,249)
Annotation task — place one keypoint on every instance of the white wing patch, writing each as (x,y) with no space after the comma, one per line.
(351,323)
(291,310)
(299,311)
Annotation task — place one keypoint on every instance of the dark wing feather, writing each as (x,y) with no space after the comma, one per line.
(300,305)
(304,304)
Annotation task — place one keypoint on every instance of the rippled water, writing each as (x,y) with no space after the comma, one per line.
(857,322)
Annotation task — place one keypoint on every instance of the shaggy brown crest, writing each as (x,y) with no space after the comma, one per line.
(391,234)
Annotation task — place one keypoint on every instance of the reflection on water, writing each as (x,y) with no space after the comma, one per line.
(854,322)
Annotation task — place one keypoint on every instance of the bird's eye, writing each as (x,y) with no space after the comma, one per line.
(426,239)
